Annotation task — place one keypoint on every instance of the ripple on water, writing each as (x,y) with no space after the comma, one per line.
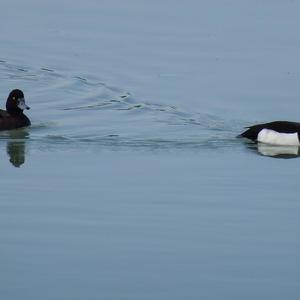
(80,109)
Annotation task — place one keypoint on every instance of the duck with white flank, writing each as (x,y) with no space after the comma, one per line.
(282,133)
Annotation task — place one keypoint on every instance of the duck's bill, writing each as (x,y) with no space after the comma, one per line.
(22,105)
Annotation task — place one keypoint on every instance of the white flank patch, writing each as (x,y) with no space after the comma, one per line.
(272,137)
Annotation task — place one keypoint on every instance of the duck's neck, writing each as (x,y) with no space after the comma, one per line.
(15,112)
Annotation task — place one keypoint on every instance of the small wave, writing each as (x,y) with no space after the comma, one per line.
(118,143)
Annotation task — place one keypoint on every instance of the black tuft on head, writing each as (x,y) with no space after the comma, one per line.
(16,94)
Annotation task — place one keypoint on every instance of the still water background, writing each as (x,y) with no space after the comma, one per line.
(130,183)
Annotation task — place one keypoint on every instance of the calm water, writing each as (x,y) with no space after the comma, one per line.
(130,183)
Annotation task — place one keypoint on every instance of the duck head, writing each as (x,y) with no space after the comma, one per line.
(16,102)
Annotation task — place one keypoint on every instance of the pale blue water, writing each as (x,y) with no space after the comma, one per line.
(131,183)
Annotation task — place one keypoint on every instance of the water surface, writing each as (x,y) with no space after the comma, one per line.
(131,183)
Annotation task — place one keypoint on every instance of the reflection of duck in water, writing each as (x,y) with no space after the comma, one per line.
(278,151)
(15,147)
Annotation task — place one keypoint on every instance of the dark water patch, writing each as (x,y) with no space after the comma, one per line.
(80,78)
(96,106)
(37,126)
(47,70)
(57,138)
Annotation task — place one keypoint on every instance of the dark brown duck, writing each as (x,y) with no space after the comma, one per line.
(13,117)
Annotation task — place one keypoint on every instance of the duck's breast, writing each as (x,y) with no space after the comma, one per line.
(13,122)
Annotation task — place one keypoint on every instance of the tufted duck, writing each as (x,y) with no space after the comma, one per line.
(275,133)
(13,116)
